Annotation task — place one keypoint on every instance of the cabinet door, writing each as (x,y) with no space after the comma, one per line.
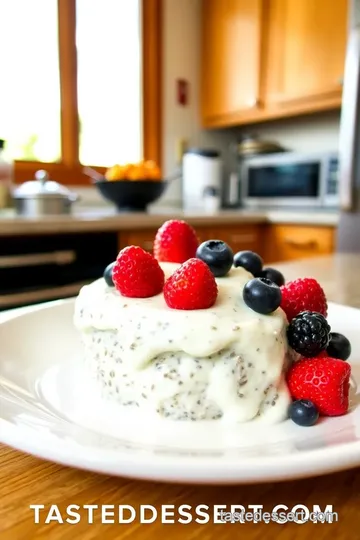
(293,242)
(305,52)
(143,238)
(240,237)
(231,43)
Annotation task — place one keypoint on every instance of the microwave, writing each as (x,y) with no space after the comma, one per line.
(290,179)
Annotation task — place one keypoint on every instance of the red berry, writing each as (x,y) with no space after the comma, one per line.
(303,294)
(324,381)
(136,274)
(192,286)
(175,241)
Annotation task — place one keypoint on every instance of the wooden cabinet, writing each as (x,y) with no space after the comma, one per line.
(145,237)
(275,243)
(292,242)
(231,46)
(240,237)
(142,237)
(265,59)
(304,57)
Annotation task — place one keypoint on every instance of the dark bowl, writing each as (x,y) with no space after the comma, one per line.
(131,195)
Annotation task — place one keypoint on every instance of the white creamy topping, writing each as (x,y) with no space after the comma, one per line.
(247,351)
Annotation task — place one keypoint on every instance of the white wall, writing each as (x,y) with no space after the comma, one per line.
(181,60)
(304,134)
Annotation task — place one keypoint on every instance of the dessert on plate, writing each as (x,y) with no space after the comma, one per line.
(193,332)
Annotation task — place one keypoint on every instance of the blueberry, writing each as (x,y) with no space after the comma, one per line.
(262,295)
(303,412)
(252,262)
(217,255)
(108,275)
(274,275)
(339,346)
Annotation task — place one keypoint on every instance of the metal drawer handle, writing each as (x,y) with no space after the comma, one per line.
(34,259)
(9,301)
(301,245)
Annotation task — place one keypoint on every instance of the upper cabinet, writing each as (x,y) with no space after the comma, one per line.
(231,56)
(265,59)
(305,53)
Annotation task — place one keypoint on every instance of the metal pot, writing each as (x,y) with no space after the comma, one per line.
(43,197)
(251,146)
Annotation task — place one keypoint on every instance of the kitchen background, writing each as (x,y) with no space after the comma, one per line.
(287,92)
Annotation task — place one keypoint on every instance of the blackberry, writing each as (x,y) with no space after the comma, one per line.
(308,333)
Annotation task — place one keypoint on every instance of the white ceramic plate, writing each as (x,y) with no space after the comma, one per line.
(50,409)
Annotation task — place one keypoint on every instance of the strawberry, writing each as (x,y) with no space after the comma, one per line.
(175,241)
(191,286)
(323,381)
(136,274)
(303,294)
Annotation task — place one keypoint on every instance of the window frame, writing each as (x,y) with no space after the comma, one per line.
(69,169)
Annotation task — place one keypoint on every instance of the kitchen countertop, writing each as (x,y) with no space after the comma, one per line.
(25,480)
(103,219)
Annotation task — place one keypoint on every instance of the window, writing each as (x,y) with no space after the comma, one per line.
(80,84)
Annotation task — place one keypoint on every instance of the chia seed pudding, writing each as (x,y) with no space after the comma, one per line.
(223,363)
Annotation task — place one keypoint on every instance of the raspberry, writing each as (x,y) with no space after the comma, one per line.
(303,294)
(175,241)
(308,333)
(191,286)
(136,274)
(323,381)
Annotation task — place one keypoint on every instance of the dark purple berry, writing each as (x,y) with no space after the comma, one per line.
(339,346)
(262,295)
(303,412)
(108,275)
(308,333)
(217,255)
(252,262)
(274,275)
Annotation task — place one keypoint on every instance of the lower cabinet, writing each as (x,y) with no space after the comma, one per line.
(293,242)
(143,238)
(275,243)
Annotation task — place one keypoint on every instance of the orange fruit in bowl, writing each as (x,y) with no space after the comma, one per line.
(111,173)
(144,170)
(152,170)
(136,172)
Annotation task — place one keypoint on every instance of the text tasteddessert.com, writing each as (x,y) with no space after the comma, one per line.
(183,514)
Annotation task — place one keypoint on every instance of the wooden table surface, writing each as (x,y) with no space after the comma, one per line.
(25,480)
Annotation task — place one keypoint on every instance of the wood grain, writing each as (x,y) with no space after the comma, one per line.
(68,83)
(69,170)
(230,62)
(25,480)
(152,79)
(292,242)
(296,62)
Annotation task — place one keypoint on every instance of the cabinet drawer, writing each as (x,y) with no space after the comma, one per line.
(143,238)
(293,242)
(246,237)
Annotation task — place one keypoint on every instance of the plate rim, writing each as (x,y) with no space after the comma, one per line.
(187,470)
(145,465)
